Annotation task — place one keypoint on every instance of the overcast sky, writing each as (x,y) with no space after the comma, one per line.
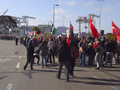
(42,10)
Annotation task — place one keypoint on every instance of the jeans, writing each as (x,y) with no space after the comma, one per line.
(42,59)
(91,59)
(98,59)
(49,56)
(118,55)
(83,59)
(66,69)
(109,55)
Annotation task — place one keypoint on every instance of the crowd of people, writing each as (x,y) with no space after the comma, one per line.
(100,52)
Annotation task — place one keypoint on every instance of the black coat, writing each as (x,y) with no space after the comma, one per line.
(110,47)
(64,52)
(30,51)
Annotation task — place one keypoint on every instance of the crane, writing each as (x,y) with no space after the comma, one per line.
(22,19)
(92,16)
(4,12)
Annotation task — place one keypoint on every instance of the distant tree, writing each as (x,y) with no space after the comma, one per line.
(36,29)
(89,34)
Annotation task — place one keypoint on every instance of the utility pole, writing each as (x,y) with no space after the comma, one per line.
(63,20)
(100,14)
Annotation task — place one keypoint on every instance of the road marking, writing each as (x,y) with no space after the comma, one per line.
(19,57)
(17,65)
(104,82)
(9,86)
(12,56)
(5,60)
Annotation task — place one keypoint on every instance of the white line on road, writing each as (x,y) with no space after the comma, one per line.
(12,56)
(19,57)
(17,65)
(5,60)
(9,86)
(104,82)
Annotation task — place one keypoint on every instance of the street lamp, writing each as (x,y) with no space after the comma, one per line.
(54,12)
(100,14)
(63,20)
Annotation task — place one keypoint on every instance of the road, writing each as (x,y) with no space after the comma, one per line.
(13,77)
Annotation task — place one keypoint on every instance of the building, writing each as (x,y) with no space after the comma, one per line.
(45,28)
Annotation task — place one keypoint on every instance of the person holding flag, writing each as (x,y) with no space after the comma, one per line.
(74,50)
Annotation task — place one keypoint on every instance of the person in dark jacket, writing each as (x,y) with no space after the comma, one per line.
(72,59)
(16,41)
(64,58)
(110,47)
(91,53)
(30,57)
(84,47)
(43,52)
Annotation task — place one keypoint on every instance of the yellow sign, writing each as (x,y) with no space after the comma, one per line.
(49,35)
(111,36)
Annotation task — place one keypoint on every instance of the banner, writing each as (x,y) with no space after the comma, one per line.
(27,32)
(111,36)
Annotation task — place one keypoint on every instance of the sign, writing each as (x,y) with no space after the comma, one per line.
(83,35)
(48,35)
(111,36)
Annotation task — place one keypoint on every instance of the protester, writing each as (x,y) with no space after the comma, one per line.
(64,58)
(83,49)
(16,40)
(110,46)
(91,53)
(36,55)
(30,58)
(43,52)
(74,55)
(98,54)
(51,45)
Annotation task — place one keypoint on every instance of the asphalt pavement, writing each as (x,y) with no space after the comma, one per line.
(13,77)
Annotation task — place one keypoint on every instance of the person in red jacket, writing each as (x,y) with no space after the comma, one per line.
(98,54)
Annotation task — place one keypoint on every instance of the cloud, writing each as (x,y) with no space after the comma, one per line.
(60,11)
(58,17)
(87,4)
(69,3)
(106,9)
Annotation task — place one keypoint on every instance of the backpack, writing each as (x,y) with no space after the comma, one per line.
(76,52)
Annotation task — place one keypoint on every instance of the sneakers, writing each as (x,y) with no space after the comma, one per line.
(97,68)
(67,80)
(57,76)
(32,69)
(24,68)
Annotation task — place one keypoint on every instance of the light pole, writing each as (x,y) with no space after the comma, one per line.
(100,14)
(63,20)
(54,12)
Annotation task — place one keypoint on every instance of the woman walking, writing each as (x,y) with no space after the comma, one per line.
(43,52)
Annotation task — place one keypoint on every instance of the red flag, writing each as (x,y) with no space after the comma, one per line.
(71,37)
(68,41)
(40,33)
(115,30)
(93,29)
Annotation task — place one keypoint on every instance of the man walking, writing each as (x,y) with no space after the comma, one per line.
(110,47)
(64,58)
